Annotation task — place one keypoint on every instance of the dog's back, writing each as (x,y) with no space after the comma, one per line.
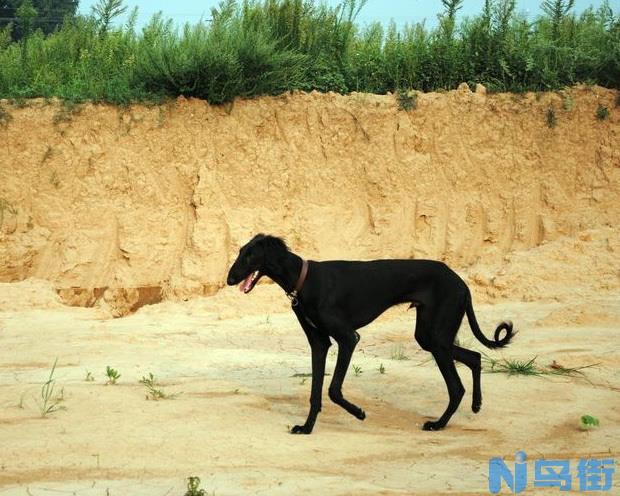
(365,289)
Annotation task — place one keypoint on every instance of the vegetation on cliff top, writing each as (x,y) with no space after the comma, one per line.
(266,47)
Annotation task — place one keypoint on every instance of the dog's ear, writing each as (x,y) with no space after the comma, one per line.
(276,244)
(256,239)
(271,246)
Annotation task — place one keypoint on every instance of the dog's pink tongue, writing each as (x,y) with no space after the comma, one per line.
(246,283)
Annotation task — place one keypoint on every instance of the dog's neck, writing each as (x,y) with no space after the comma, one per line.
(284,271)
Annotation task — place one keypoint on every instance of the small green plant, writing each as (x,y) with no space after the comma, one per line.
(193,487)
(588,422)
(529,367)
(602,113)
(511,367)
(381,369)
(152,391)
(49,403)
(357,370)
(112,374)
(551,118)
(398,353)
(5,117)
(568,103)
(407,100)
(521,367)
(618,99)
(89,377)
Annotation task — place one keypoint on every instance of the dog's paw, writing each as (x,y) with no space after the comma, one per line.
(361,415)
(475,407)
(301,429)
(432,426)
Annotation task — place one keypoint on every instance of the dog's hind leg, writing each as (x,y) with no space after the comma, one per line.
(445,362)
(319,344)
(346,345)
(472,360)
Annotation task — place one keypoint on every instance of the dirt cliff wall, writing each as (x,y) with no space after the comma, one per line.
(147,197)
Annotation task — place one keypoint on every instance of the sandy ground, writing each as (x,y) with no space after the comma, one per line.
(234,364)
(118,207)
(143,198)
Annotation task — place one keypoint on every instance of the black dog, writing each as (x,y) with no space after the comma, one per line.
(335,298)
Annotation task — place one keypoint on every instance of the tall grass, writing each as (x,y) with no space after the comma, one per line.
(265,47)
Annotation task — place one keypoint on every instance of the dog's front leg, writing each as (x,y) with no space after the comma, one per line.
(319,344)
(346,345)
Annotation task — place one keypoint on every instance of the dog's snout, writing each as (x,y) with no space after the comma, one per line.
(231,280)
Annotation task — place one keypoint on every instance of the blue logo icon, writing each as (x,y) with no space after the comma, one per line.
(591,474)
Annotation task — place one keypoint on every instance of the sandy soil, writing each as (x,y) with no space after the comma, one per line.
(113,208)
(234,363)
(113,203)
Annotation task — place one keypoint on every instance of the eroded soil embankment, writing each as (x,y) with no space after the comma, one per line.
(117,201)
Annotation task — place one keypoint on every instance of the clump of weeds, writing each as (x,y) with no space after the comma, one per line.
(588,422)
(602,113)
(193,487)
(529,367)
(112,374)
(152,391)
(407,100)
(49,402)
(398,353)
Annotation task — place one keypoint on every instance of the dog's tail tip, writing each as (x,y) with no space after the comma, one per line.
(507,326)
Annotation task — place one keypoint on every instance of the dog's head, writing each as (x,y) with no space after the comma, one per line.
(253,261)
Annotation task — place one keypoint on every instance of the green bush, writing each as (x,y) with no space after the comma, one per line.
(266,47)
(216,62)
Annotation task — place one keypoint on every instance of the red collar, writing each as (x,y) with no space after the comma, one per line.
(302,276)
(299,284)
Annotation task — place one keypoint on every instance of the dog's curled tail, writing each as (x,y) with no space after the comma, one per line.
(497,342)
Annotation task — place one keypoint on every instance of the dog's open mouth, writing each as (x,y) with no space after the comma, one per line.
(249,282)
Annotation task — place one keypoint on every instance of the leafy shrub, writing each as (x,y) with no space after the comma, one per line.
(602,113)
(266,47)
